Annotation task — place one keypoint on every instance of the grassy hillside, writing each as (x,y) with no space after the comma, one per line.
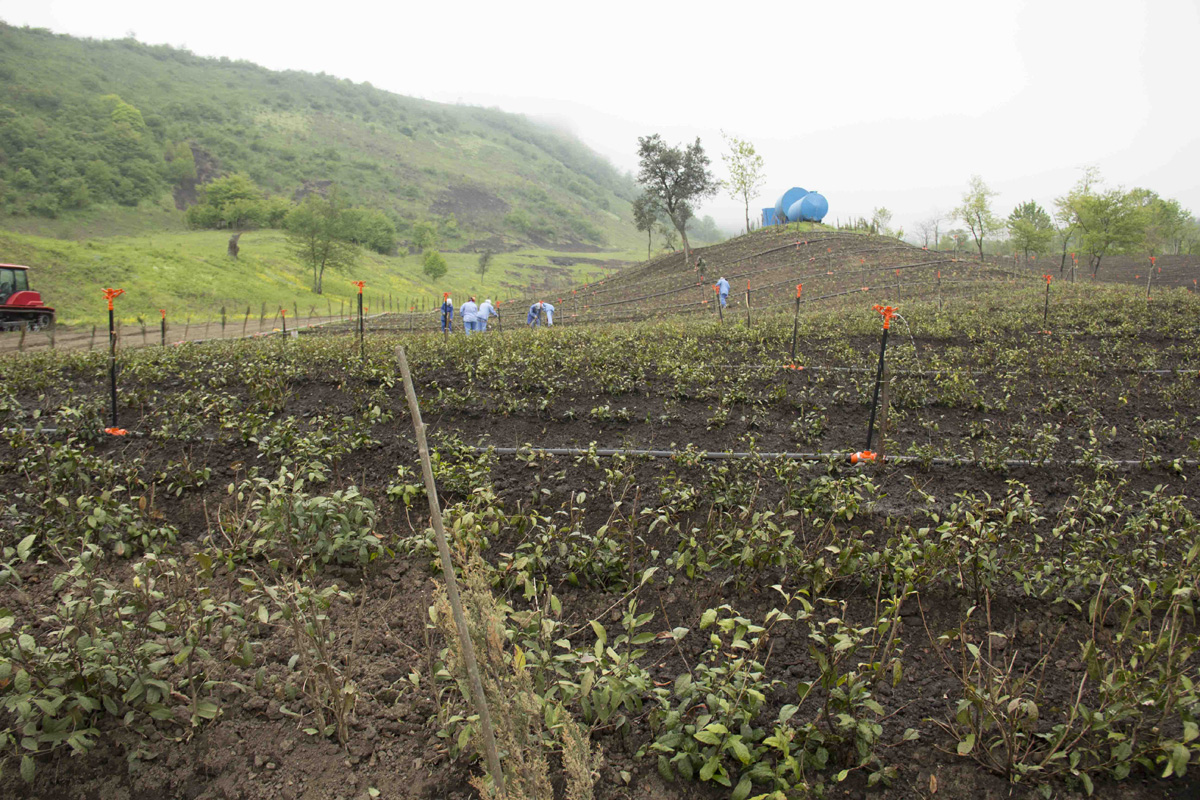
(190,273)
(88,127)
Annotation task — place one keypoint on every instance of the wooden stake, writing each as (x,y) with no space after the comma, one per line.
(460,618)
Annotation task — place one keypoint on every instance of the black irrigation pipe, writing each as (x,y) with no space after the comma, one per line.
(829,457)
(937,372)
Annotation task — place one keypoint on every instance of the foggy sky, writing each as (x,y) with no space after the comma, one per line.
(871,103)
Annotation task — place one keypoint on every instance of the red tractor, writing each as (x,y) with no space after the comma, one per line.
(18,305)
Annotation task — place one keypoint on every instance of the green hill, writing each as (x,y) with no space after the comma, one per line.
(87,123)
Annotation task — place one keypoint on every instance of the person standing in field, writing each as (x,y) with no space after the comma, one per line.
(723,290)
(447,313)
(486,309)
(534,317)
(469,313)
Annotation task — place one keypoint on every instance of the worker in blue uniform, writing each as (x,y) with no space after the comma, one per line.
(469,312)
(534,317)
(486,309)
(447,313)
(723,290)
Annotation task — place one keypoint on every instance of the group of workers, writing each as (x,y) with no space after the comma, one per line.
(475,317)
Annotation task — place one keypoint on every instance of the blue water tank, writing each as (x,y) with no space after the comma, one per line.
(785,202)
(793,212)
(813,207)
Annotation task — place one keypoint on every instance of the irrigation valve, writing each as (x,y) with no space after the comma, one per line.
(799,288)
(112,294)
(359,284)
(163,311)
(863,456)
(888,312)
(1047,277)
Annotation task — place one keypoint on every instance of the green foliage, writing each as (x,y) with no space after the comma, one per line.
(676,177)
(976,212)
(231,202)
(320,235)
(1030,228)
(745,167)
(433,264)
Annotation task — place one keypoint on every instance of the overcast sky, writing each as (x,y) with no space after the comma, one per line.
(871,103)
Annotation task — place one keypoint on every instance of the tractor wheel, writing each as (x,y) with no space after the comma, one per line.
(40,322)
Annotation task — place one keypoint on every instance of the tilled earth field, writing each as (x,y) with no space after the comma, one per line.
(233,600)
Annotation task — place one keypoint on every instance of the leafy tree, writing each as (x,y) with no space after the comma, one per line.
(745,172)
(485,261)
(1164,221)
(234,201)
(645,217)
(434,264)
(425,235)
(976,211)
(1109,221)
(677,178)
(1030,228)
(371,229)
(881,218)
(1189,241)
(319,235)
(181,163)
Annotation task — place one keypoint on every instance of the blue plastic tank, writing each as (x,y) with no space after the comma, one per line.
(793,212)
(813,207)
(785,201)
(768,216)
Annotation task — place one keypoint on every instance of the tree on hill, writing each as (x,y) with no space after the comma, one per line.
(434,264)
(485,261)
(976,212)
(371,229)
(677,178)
(319,235)
(235,201)
(645,217)
(1107,221)
(1164,221)
(881,220)
(1030,228)
(745,172)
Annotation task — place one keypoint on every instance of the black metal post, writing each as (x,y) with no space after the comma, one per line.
(164,329)
(747,304)
(875,396)
(360,325)
(720,310)
(1046,312)
(796,322)
(112,362)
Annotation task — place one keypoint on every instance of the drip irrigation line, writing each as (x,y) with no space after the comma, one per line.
(818,457)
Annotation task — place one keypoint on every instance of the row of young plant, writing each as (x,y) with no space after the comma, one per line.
(154,646)
(1122,576)
(1042,398)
